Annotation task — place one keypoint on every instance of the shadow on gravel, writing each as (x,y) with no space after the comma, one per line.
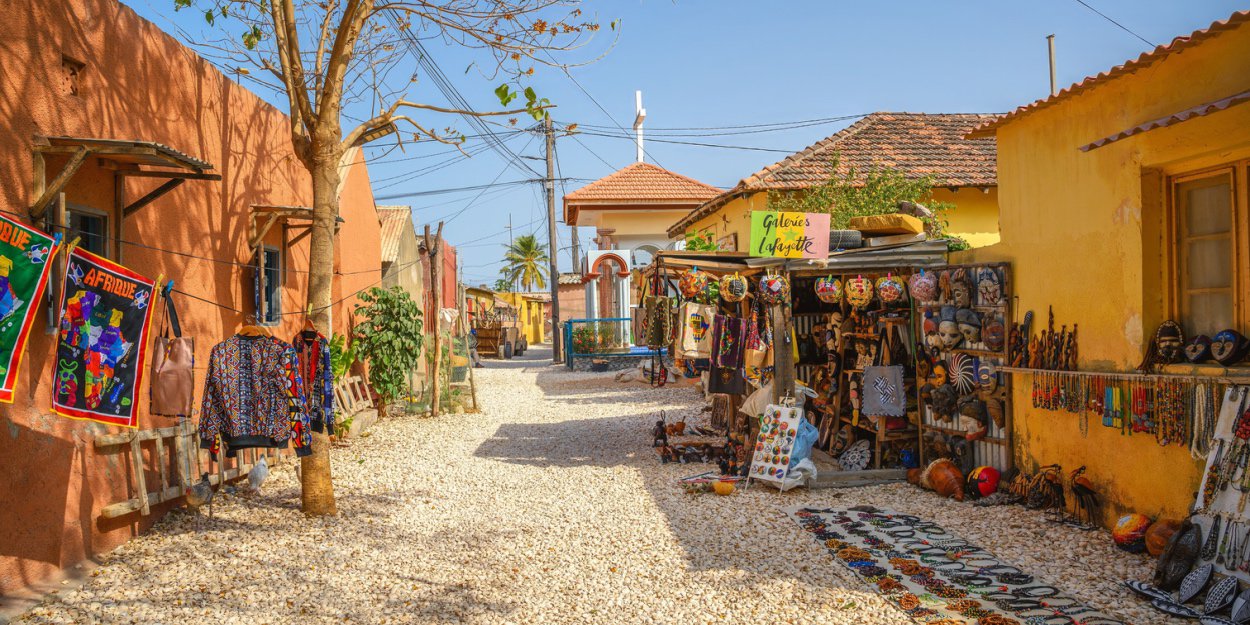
(625,441)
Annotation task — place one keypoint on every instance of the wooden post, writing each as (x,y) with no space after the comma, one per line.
(432,248)
(464,326)
(553,242)
(783,354)
(136,465)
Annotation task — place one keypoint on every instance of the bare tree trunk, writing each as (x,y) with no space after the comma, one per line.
(434,247)
(316,486)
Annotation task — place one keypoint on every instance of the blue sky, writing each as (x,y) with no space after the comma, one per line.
(704,63)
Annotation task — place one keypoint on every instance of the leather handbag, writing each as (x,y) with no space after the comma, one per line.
(171,384)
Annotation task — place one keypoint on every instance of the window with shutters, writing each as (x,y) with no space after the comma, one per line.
(1209,221)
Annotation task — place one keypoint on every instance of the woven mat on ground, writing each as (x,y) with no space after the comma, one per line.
(934,576)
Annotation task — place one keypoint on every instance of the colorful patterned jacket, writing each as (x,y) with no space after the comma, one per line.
(315,370)
(253,397)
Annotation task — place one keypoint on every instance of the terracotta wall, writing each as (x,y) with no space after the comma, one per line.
(137,83)
(447,277)
(1085,232)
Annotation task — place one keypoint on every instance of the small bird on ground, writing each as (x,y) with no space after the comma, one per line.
(258,474)
(199,495)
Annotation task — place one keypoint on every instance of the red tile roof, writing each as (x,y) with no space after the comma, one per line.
(638,183)
(916,144)
(393,219)
(1141,62)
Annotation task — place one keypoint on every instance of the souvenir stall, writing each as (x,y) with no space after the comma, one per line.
(858,350)
(962,315)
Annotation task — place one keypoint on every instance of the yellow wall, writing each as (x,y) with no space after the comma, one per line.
(1084,232)
(975,217)
(532,315)
(732,218)
(633,222)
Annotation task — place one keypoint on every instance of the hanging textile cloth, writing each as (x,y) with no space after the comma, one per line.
(254,397)
(728,341)
(102,346)
(696,340)
(25,262)
(313,352)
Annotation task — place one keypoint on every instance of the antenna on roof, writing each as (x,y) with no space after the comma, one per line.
(1050,44)
(640,115)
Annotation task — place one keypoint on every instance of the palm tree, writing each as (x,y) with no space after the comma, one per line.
(526,260)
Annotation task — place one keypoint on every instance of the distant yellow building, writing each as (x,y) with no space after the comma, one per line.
(1124,203)
(533,311)
(916,144)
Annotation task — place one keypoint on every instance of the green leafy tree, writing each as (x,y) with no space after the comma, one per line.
(701,241)
(389,338)
(526,262)
(503,285)
(873,192)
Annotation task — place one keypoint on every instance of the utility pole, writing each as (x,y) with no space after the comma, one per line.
(553,243)
(510,244)
(433,247)
(577,250)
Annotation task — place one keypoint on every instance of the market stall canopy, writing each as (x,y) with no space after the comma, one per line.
(116,153)
(920,254)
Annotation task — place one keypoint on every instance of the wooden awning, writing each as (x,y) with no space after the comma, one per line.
(273,214)
(125,157)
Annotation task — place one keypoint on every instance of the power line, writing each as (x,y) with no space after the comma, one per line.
(696,132)
(1121,26)
(593,153)
(801,122)
(456,99)
(599,106)
(493,184)
(694,143)
(466,207)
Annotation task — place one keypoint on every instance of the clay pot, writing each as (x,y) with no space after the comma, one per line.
(1158,535)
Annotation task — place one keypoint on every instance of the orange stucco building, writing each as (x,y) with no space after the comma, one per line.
(92,69)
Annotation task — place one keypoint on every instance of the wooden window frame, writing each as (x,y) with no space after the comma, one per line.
(278,253)
(1238,173)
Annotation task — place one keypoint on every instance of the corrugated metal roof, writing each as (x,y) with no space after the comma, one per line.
(920,254)
(102,146)
(1171,120)
(393,219)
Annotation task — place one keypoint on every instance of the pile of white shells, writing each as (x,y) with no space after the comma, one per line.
(548,507)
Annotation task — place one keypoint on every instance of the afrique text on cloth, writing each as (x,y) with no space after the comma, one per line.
(105,312)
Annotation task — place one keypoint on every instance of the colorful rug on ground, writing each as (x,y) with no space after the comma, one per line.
(935,577)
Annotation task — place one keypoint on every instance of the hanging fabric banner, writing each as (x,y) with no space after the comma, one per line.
(104,320)
(25,260)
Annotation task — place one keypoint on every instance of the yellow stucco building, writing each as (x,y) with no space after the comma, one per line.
(1124,203)
(916,144)
(534,313)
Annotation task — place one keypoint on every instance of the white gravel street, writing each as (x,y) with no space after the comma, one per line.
(549,507)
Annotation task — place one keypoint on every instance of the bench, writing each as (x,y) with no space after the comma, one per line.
(353,401)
